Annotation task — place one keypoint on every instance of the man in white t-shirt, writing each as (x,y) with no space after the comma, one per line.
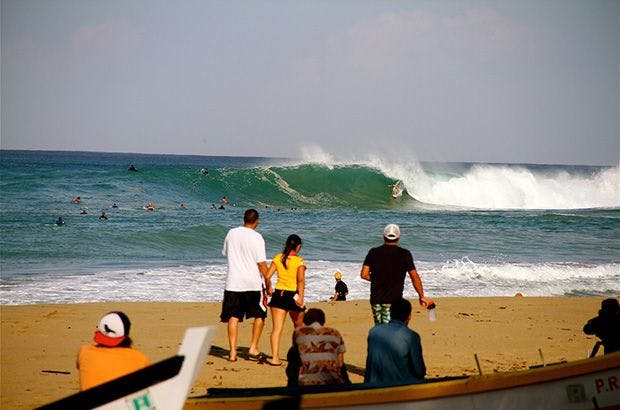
(243,296)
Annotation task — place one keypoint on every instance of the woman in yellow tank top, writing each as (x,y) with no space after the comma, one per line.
(288,295)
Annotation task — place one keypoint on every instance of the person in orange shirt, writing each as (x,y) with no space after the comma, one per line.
(112,356)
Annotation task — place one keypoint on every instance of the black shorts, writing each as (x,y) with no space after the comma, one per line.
(247,304)
(284,299)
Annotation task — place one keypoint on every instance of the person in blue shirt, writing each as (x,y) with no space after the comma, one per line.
(395,351)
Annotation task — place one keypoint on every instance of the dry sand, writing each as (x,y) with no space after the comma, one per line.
(39,343)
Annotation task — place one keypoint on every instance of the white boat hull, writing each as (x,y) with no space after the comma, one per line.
(585,384)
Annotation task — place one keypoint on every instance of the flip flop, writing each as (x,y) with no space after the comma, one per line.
(274,364)
(260,357)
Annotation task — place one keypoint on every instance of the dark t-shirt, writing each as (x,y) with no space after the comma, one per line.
(388,266)
(341,290)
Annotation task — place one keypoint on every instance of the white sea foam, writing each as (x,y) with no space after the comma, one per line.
(503,187)
(206,283)
(489,186)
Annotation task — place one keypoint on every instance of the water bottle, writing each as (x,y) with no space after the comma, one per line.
(432,316)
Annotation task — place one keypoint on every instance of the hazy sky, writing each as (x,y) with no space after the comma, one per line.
(491,81)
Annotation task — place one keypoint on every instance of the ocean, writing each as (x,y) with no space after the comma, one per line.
(474,229)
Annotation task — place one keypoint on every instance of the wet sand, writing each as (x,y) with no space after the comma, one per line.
(39,343)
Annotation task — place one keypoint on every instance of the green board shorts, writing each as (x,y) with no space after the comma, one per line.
(381,312)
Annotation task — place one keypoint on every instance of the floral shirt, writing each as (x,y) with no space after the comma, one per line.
(319,347)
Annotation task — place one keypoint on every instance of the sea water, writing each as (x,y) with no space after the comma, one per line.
(473,229)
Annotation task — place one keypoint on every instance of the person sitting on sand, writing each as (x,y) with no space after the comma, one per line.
(606,326)
(320,353)
(341,290)
(394,350)
(112,356)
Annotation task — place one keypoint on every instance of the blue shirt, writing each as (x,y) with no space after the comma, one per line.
(394,355)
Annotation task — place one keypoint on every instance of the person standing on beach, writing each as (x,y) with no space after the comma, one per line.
(288,296)
(243,295)
(385,267)
(112,356)
(395,351)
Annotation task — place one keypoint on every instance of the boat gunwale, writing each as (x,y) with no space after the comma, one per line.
(431,390)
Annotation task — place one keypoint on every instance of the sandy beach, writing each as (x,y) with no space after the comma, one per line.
(39,342)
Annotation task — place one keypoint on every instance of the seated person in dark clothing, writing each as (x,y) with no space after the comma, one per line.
(341,288)
(395,351)
(606,326)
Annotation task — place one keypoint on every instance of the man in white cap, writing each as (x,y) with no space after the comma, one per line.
(385,267)
(112,356)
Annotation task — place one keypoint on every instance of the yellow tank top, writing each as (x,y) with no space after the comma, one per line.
(287,277)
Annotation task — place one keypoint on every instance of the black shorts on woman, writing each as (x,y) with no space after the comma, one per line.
(285,299)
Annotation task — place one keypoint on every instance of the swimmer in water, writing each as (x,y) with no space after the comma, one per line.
(103,215)
(132,168)
(83,212)
(60,221)
(182,206)
(77,200)
(150,207)
(114,205)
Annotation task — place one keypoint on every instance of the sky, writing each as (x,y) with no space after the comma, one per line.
(525,81)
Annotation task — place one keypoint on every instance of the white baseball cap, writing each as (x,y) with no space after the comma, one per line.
(113,329)
(391,232)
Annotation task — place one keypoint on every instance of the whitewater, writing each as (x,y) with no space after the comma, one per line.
(474,229)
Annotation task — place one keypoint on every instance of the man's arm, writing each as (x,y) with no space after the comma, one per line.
(262,268)
(340,360)
(417,285)
(365,272)
(419,367)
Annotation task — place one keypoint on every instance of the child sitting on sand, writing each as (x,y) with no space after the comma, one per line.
(341,290)
(112,356)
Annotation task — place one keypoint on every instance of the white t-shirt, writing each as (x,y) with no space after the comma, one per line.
(245,248)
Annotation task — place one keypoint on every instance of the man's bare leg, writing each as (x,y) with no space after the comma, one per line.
(257,330)
(233,325)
